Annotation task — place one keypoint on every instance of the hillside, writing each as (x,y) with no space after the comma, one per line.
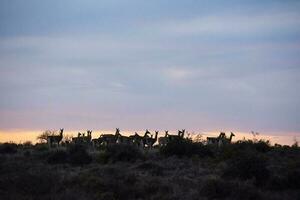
(182,169)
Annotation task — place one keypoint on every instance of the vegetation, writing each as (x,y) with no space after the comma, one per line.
(186,147)
(122,152)
(181,169)
(43,137)
(248,165)
(57,157)
(8,148)
(78,155)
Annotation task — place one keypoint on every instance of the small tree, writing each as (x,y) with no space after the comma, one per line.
(43,137)
(296,143)
(254,134)
(198,138)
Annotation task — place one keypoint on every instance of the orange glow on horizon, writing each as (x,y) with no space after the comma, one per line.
(21,136)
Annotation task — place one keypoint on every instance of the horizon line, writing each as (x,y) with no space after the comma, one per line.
(24,135)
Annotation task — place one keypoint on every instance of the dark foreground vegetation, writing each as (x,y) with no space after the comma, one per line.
(180,170)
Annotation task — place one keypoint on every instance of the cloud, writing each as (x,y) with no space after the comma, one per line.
(209,69)
(177,73)
(234,25)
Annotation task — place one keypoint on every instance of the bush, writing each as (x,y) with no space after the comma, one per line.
(248,165)
(78,155)
(106,183)
(277,183)
(37,182)
(27,153)
(58,157)
(152,168)
(185,147)
(156,189)
(41,147)
(245,191)
(241,147)
(216,188)
(122,152)
(262,146)
(27,145)
(8,148)
(102,157)
(28,183)
(286,151)
(286,177)
(293,178)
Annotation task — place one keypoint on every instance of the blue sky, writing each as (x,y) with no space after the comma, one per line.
(199,65)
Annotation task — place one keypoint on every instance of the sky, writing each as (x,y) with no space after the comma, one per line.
(137,64)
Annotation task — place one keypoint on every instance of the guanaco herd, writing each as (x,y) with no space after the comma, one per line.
(146,141)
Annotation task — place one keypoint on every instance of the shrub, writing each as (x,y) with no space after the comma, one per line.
(102,157)
(27,145)
(293,178)
(28,182)
(122,152)
(286,177)
(216,188)
(262,146)
(227,152)
(286,151)
(248,165)
(41,147)
(154,188)
(78,155)
(107,183)
(27,153)
(233,150)
(8,148)
(152,168)
(245,191)
(185,147)
(58,157)
(277,183)
(37,182)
